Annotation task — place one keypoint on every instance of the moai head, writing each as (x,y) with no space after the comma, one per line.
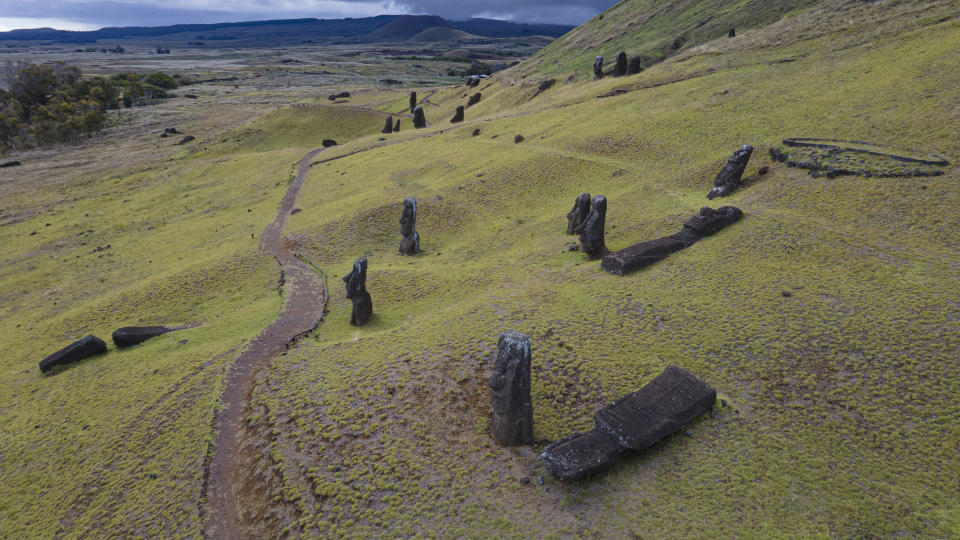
(598,67)
(356,280)
(408,220)
(581,209)
(388,126)
(510,391)
(413,101)
(621,64)
(591,231)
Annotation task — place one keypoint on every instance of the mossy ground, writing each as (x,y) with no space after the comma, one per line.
(840,416)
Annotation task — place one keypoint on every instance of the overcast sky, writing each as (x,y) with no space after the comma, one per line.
(93,14)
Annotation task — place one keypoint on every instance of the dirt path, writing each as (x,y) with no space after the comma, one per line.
(301,313)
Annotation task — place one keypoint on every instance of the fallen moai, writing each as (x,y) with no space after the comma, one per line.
(341,95)
(474,99)
(388,125)
(76,351)
(512,423)
(621,68)
(135,335)
(637,256)
(410,245)
(581,209)
(728,179)
(327,143)
(634,422)
(413,101)
(419,121)
(591,231)
(356,282)
(458,116)
(9,164)
(187,139)
(598,68)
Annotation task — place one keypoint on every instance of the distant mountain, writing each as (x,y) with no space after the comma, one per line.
(367,29)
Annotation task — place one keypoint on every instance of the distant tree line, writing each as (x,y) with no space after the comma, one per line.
(48,103)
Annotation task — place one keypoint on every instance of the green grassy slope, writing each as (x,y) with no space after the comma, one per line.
(840,420)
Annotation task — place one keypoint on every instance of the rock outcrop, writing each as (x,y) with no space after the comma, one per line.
(512,423)
(458,116)
(728,179)
(134,335)
(419,120)
(581,209)
(356,282)
(591,231)
(76,351)
(410,245)
(636,421)
(637,256)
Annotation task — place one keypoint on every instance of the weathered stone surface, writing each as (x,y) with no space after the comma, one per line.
(621,68)
(512,423)
(581,455)
(410,245)
(134,335)
(458,116)
(396,127)
(327,143)
(636,65)
(591,231)
(388,125)
(474,99)
(9,164)
(671,400)
(598,68)
(637,256)
(419,121)
(728,179)
(581,209)
(356,282)
(76,351)
(413,101)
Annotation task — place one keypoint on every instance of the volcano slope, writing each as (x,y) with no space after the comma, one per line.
(836,415)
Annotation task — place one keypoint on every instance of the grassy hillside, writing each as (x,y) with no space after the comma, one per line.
(837,413)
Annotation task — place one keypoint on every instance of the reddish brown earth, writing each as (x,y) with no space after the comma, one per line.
(301,313)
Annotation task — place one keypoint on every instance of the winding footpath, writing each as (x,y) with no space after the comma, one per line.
(301,313)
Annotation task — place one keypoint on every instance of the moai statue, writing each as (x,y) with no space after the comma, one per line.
(388,126)
(410,245)
(636,65)
(458,117)
(728,179)
(581,209)
(419,121)
(396,127)
(356,282)
(591,230)
(474,99)
(621,64)
(598,68)
(732,32)
(413,101)
(512,423)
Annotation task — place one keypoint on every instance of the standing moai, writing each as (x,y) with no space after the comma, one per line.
(581,209)
(388,126)
(636,65)
(591,231)
(419,121)
(474,99)
(396,127)
(728,179)
(621,64)
(598,68)
(413,101)
(410,245)
(732,32)
(458,116)
(512,423)
(356,282)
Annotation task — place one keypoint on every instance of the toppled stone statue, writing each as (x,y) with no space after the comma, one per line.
(634,422)
(413,101)
(388,126)
(76,351)
(187,139)
(581,209)
(728,179)
(621,68)
(473,80)
(636,65)
(134,335)
(512,423)
(637,256)
(410,245)
(341,95)
(474,99)
(591,231)
(598,68)
(356,282)
(327,143)
(419,121)
(396,127)
(458,116)
(6,164)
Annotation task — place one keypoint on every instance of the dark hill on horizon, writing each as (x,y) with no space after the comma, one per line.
(367,29)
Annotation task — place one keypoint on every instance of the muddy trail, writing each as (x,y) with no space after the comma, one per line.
(302,311)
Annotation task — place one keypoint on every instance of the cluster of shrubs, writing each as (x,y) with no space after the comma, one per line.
(48,103)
